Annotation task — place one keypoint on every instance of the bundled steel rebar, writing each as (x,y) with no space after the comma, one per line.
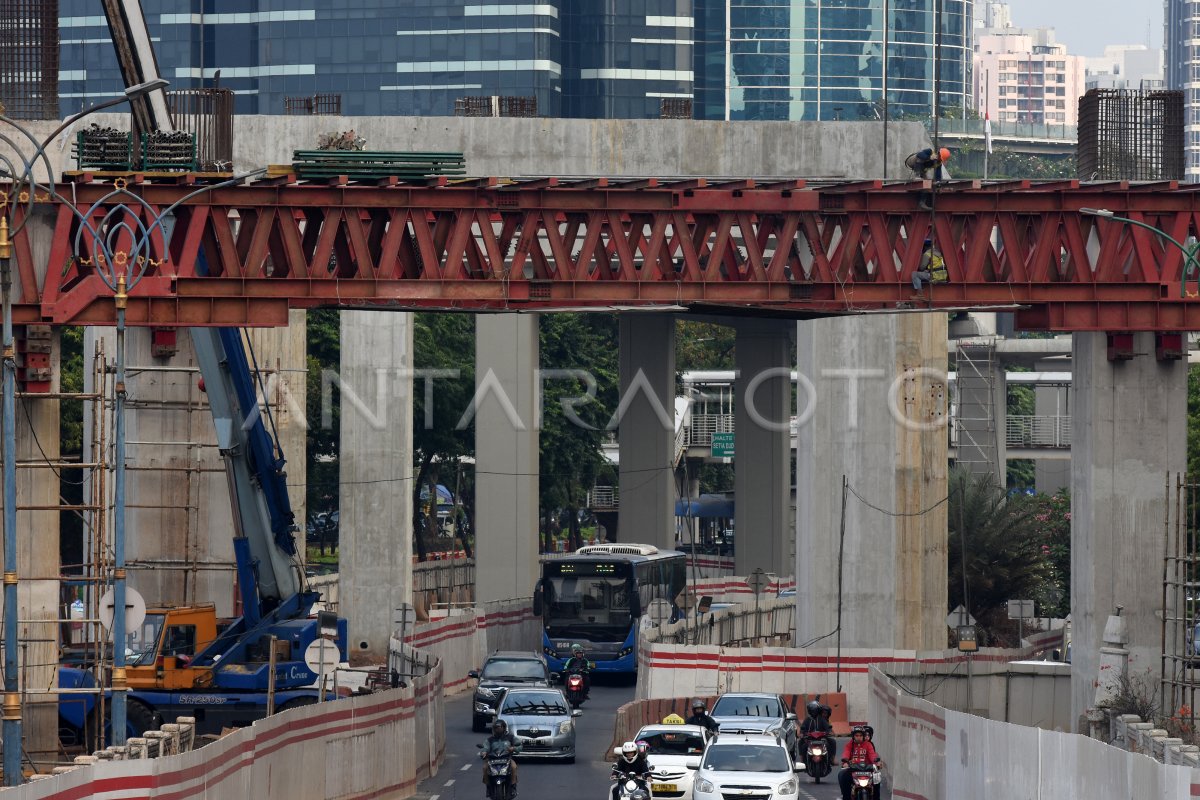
(1130,135)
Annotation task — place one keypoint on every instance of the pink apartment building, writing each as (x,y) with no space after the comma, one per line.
(1027,77)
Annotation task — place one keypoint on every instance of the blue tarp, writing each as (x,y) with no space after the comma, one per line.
(706,505)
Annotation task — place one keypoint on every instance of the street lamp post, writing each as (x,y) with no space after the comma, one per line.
(1190,249)
(10,708)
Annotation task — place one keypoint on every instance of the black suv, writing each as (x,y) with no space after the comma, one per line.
(503,670)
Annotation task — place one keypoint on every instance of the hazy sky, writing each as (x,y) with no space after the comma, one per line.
(1086,26)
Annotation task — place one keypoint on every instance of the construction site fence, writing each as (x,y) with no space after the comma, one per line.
(769,621)
(462,640)
(451,581)
(372,745)
(931,752)
(672,663)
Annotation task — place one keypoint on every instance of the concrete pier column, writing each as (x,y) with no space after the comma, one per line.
(647,430)
(764,355)
(376,526)
(1129,430)
(506,456)
(879,420)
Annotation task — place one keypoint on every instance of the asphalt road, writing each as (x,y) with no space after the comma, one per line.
(460,777)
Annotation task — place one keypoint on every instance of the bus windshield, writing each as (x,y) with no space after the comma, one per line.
(597,605)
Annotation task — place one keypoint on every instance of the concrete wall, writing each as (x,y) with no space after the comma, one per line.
(663,148)
(518,147)
(894,559)
(929,752)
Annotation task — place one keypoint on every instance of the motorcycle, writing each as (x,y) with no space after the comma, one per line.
(631,788)
(575,689)
(863,778)
(816,755)
(498,768)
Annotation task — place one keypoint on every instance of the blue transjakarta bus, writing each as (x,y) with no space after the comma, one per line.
(597,596)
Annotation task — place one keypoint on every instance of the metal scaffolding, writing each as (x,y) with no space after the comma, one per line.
(1180,603)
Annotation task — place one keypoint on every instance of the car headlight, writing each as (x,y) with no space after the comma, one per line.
(789,787)
(550,651)
(565,727)
(704,786)
(625,651)
(485,694)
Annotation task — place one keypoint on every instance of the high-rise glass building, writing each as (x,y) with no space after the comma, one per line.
(1181,32)
(831,59)
(580,58)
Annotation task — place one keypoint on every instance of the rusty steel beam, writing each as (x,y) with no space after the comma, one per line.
(779,247)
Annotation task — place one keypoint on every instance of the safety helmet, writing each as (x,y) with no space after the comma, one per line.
(813,708)
(642,746)
(697,703)
(576,649)
(944,154)
(629,752)
(869,731)
(857,729)
(499,727)
(826,710)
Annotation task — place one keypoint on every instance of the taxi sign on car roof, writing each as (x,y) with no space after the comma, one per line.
(673,719)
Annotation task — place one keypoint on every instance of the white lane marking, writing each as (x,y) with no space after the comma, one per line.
(434,796)
(465,767)
(450,783)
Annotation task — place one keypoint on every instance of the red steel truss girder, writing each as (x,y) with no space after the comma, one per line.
(549,244)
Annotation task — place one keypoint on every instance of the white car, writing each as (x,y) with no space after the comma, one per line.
(669,749)
(751,765)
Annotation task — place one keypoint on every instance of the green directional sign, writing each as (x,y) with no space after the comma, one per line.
(722,445)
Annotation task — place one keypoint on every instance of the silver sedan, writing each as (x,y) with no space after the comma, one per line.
(542,722)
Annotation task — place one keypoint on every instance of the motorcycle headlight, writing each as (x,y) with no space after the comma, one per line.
(789,787)
(565,727)
(705,786)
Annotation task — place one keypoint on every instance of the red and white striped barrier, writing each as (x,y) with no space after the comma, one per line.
(375,746)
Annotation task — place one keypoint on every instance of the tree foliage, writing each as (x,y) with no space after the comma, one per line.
(444,342)
(1003,558)
(571,454)
(1052,529)
(322,442)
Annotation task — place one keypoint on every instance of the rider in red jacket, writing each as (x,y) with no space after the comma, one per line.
(857,751)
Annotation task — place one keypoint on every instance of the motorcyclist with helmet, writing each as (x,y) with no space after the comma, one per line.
(631,764)
(700,716)
(857,751)
(816,723)
(577,663)
(501,736)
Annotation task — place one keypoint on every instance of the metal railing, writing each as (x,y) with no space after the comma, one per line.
(1039,431)
(703,426)
(603,497)
(1009,130)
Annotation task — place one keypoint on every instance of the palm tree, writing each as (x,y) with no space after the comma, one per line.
(1003,560)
